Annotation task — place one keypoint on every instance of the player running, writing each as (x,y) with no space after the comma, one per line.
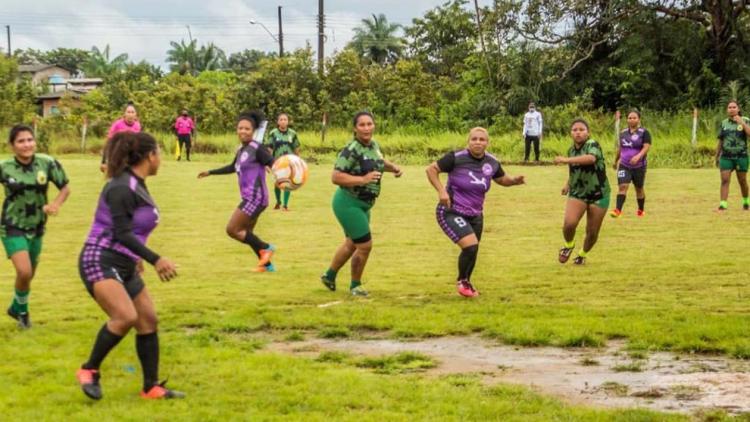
(731,153)
(282,141)
(630,163)
(111,263)
(587,189)
(460,203)
(250,164)
(357,172)
(26,177)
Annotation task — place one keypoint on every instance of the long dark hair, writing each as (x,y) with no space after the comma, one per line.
(127,149)
(360,114)
(255,117)
(15,130)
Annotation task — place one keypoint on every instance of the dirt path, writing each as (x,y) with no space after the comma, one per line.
(608,377)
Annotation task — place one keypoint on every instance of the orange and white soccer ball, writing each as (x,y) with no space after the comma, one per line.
(290,172)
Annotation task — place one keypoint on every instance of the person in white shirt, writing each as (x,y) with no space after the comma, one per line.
(532,132)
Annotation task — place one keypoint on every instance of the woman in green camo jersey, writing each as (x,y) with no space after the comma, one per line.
(357,172)
(26,178)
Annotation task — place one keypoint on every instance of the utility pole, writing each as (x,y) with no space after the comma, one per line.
(321,36)
(281,36)
(481,40)
(190,34)
(7,27)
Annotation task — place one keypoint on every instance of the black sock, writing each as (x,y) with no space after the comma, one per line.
(105,341)
(255,242)
(466,261)
(620,201)
(641,203)
(147,346)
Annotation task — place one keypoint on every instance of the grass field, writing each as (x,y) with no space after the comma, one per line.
(676,280)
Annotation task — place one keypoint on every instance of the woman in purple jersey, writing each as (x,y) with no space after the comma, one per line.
(630,163)
(250,164)
(461,201)
(111,262)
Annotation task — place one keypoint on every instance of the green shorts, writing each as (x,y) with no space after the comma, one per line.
(601,203)
(32,245)
(728,164)
(353,214)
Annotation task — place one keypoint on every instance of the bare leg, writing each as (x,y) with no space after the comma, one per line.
(343,253)
(24,271)
(742,179)
(725,177)
(574,211)
(359,259)
(594,217)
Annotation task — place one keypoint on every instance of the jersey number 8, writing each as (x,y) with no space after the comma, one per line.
(460,221)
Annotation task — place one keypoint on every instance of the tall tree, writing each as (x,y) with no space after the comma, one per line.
(376,40)
(99,63)
(444,38)
(183,57)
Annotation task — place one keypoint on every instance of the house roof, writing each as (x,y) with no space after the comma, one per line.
(60,94)
(38,67)
(85,81)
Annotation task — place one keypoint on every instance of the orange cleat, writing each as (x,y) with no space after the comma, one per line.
(160,391)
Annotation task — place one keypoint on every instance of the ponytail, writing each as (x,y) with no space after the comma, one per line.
(127,149)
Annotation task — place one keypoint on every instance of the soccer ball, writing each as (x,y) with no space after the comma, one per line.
(290,172)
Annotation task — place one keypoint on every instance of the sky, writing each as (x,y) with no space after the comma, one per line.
(143,28)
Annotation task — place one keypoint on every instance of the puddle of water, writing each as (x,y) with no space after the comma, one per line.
(599,377)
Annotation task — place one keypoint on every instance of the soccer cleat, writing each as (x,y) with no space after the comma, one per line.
(160,391)
(615,213)
(580,260)
(746,207)
(265,255)
(721,209)
(89,380)
(268,268)
(330,284)
(23,319)
(465,288)
(285,209)
(277,207)
(565,253)
(640,213)
(359,291)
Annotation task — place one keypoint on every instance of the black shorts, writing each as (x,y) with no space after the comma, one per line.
(184,139)
(625,175)
(251,208)
(96,264)
(457,226)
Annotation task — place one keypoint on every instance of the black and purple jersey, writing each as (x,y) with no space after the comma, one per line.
(125,217)
(631,144)
(469,179)
(250,165)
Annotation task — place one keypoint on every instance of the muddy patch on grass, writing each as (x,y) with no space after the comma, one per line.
(608,377)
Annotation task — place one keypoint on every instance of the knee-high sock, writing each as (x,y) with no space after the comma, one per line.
(620,201)
(287,194)
(105,342)
(277,193)
(147,346)
(641,203)
(255,242)
(466,261)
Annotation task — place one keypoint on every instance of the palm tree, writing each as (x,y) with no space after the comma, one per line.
(376,40)
(211,57)
(99,64)
(183,57)
(188,58)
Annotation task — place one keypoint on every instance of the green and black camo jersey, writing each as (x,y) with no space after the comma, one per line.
(26,193)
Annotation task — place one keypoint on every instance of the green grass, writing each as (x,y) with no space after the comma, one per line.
(675,280)
(671,147)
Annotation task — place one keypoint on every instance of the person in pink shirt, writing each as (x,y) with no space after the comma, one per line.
(184,128)
(127,123)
